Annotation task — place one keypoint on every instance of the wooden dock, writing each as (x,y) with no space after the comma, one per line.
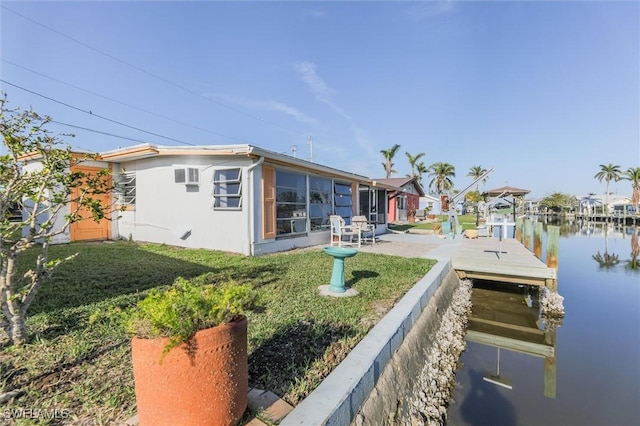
(506,261)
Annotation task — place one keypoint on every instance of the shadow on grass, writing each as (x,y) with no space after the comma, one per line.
(284,360)
(45,378)
(360,275)
(104,272)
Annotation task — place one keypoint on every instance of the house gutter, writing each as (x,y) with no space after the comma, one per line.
(250,220)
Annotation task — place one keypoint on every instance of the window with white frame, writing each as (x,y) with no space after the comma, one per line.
(227,189)
(128,188)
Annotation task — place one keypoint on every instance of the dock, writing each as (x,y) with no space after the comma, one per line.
(506,261)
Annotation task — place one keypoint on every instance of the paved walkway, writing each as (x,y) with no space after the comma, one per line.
(415,245)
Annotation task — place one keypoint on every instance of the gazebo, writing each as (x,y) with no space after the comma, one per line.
(506,191)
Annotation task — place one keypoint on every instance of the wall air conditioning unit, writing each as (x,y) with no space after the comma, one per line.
(187,175)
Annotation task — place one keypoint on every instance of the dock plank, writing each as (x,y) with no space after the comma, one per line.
(509,261)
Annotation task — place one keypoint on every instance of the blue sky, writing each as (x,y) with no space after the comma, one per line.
(543,92)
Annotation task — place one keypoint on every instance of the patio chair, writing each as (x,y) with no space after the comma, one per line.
(340,229)
(367,230)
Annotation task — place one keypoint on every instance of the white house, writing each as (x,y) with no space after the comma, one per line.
(235,198)
(615,203)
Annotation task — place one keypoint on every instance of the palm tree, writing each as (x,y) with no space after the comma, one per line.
(421,169)
(475,172)
(634,262)
(413,160)
(608,172)
(388,156)
(441,174)
(633,174)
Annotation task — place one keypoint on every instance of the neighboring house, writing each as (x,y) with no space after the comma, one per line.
(614,203)
(532,206)
(85,229)
(235,198)
(402,199)
(430,202)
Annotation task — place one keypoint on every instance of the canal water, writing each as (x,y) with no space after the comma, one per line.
(593,374)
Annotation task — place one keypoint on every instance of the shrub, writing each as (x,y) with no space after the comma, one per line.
(186,308)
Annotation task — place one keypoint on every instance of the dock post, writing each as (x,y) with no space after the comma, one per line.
(519,224)
(527,234)
(537,239)
(553,246)
(550,367)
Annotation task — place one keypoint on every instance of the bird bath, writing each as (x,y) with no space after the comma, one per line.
(339,254)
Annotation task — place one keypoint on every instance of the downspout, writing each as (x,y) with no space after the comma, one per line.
(250,209)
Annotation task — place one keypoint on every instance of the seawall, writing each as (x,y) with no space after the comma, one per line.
(375,381)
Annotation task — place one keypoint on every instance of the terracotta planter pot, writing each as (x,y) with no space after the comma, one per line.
(203,383)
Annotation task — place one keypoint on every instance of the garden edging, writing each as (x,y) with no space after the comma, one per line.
(340,396)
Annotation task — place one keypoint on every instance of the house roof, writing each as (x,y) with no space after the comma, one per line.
(142,151)
(612,199)
(400,183)
(505,191)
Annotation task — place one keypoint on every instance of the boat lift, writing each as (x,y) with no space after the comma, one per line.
(449,201)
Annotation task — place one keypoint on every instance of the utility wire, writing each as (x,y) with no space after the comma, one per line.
(94,114)
(164,80)
(122,103)
(98,131)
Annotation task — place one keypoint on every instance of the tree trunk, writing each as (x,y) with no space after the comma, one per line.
(16,325)
(18,330)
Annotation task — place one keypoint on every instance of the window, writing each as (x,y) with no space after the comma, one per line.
(188,176)
(320,205)
(227,189)
(291,203)
(128,188)
(343,201)
(401,202)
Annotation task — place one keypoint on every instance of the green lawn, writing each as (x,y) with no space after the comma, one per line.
(468,221)
(79,358)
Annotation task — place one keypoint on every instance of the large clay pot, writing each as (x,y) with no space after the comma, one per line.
(205,382)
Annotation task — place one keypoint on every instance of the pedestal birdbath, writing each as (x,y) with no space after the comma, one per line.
(336,286)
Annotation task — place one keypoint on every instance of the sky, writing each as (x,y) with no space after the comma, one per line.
(543,92)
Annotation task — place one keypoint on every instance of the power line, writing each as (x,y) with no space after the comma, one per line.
(94,114)
(123,103)
(137,68)
(98,131)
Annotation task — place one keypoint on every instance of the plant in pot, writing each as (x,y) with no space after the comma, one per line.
(189,354)
(411,212)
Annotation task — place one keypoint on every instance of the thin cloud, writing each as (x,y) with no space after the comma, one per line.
(324,93)
(269,105)
(308,72)
(430,9)
(316,13)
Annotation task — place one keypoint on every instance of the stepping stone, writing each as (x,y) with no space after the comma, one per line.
(268,404)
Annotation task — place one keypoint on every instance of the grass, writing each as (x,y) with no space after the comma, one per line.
(78,358)
(468,221)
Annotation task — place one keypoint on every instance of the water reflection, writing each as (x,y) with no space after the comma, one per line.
(591,378)
(634,262)
(606,260)
(478,406)
(507,316)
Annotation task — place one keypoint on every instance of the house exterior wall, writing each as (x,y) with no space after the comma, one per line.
(173,213)
(64,237)
(166,212)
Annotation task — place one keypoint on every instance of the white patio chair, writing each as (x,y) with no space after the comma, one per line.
(367,230)
(340,229)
